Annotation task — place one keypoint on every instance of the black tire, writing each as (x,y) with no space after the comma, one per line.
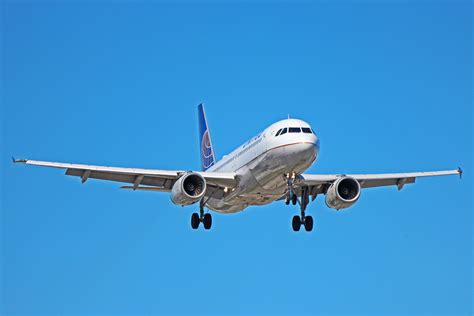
(296,223)
(207,221)
(294,199)
(308,223)
(195,220)
(287,199)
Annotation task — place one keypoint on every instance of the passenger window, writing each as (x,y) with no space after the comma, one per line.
(295,130)
(278,133)
(306,130)
(283,131)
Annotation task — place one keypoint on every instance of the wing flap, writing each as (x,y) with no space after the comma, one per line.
(399,182)
(154,189)
(121,177)
(132,171)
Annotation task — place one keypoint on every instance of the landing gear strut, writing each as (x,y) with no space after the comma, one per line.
(303,219)
(291,195)
(205,219)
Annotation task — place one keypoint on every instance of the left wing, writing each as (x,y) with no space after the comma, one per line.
(319,183)
(142,179)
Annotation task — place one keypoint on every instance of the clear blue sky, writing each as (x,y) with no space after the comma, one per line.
(388,88)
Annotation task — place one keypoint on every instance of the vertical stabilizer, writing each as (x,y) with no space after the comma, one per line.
(207,152)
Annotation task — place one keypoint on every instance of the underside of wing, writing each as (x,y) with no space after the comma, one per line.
(374,180)
(320,183)
(142,179)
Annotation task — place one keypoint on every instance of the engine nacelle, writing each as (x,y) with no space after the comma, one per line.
(188,189)
(344,192)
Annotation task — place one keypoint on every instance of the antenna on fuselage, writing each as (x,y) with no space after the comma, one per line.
(288,116)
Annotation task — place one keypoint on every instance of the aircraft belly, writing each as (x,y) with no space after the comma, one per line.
(270,171)
(248,192)
(262,180)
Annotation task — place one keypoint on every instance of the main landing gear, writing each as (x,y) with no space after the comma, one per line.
(205,219)
(306,221)
(303,219)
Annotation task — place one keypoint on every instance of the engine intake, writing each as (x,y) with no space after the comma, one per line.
(188,189)
(344,192)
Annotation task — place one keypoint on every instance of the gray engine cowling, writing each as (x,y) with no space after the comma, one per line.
(188,189)
(344,192)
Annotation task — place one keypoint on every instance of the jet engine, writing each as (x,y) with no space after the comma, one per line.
(344,192)
(188,189)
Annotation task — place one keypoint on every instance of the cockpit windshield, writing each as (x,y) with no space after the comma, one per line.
(282,131)
(295,130)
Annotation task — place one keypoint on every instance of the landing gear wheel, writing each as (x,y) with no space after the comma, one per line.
(195,220)
(296,223)
(294,199)
(287,199)
(308,223)
(207,221)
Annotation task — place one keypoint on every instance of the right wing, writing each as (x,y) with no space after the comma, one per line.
(319,183)
(142,179)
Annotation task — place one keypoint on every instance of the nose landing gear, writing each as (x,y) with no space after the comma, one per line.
(303,219)
(205,219)
(291,195)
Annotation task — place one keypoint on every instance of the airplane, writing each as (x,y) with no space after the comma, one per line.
(269,167)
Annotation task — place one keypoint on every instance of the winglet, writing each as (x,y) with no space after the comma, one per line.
(460,172)
(19,160)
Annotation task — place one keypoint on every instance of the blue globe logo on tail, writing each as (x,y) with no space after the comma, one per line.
(207,153)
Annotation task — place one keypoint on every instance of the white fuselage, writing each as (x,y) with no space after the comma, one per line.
(262,163)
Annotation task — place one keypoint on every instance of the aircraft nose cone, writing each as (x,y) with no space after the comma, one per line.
(315,140)
(309,151)
(317,144)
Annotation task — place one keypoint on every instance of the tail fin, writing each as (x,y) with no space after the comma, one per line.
(207,152)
